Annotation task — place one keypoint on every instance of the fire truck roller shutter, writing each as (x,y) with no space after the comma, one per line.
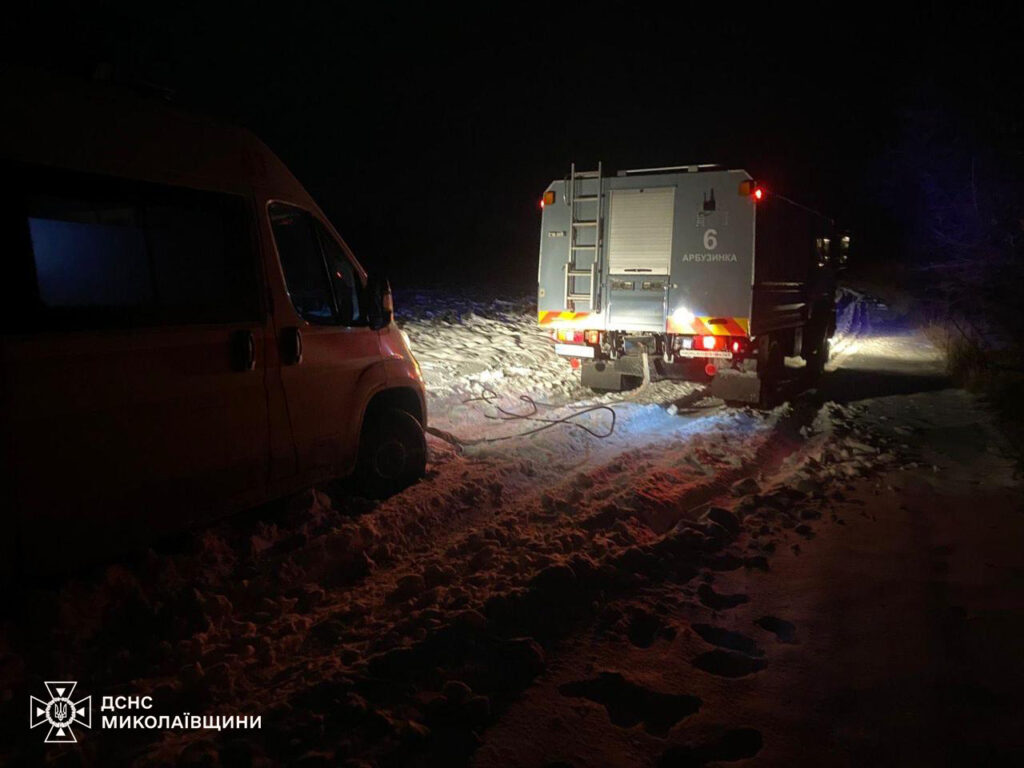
(640,232)
(640,257)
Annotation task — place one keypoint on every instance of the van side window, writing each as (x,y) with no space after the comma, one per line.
(345,279)
(302,261)
(109,252)
(322,282)
(89,253)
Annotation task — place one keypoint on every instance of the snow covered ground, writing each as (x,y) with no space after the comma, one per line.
(514,585)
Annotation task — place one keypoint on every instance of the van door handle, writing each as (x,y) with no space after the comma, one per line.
(243,351)
(291,346)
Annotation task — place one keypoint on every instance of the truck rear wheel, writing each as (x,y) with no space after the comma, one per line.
(392,452)
(816,334)
(817,357)
(771,367)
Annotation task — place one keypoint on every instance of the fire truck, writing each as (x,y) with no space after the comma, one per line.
(698,272)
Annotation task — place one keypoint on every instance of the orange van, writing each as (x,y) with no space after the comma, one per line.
(184,334)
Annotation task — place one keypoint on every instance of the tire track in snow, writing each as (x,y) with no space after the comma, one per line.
(852,325)
(324,595)
(598,514)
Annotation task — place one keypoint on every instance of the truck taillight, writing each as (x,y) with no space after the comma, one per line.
(593,337)
(571,336)
(709,342)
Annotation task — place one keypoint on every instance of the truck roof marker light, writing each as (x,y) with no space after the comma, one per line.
(548,199)
(751,188)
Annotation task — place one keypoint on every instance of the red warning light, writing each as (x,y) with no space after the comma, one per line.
(751,188)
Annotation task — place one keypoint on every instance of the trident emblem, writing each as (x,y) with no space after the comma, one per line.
(61,712)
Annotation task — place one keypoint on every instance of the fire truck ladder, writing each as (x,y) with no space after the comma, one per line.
(584,195)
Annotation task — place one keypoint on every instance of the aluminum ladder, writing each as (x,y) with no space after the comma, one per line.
(584,198)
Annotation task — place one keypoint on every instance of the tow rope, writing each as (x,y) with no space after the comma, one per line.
(490,397)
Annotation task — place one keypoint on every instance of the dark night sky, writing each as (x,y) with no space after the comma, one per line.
(428,135)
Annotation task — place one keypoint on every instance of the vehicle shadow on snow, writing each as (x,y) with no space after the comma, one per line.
(285,525)
(846,385)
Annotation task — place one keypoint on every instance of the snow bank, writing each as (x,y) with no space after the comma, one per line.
(377,631)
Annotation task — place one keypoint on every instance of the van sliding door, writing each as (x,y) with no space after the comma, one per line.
(133,356)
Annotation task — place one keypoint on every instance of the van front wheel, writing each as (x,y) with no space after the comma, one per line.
(392,452)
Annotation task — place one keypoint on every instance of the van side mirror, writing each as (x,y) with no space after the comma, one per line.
(381,305)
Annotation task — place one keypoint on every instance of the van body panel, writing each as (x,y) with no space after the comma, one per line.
(134,423)
(325,389)
(283,462)
(401,366)
(323,393)
(128,430)
(111,130)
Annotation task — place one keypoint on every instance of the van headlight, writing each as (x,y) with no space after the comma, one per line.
(412,357)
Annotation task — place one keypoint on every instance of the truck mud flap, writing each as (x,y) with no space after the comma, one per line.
(737,386)
(612,375)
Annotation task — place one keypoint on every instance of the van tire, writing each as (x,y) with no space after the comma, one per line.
(392,452)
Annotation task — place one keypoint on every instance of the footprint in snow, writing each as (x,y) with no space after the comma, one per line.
(724,638)
(628,703)
(728,663)
(785,631)
(645,628)
(734,744)
(719,602)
